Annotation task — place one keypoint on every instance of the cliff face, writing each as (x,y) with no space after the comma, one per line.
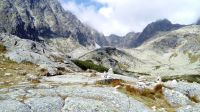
(31,19)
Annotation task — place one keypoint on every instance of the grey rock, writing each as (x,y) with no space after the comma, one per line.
(17,94)
(136,106)
(189,108)
(5,97)
(45,104)
(79,104)
(41,92)
(175,98)
(189,89)
(13,106)
(99,97)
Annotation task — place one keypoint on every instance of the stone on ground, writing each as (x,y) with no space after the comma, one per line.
(45,104)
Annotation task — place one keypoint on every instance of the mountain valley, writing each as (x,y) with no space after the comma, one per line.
(52,62)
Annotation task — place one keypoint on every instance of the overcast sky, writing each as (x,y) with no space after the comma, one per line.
(123,16)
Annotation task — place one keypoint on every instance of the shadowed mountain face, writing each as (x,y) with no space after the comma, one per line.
(31,19)
(122,41)
(152,29)
(198,22)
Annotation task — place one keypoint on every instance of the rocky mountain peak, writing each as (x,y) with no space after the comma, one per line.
(151,29)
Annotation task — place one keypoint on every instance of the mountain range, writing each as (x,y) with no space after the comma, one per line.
(50,61)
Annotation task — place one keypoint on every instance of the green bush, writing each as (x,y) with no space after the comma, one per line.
(88,64)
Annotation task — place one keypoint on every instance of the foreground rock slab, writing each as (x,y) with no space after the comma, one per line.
(189,108)
(13,106)
(46,104)
(176,98)
(79,104)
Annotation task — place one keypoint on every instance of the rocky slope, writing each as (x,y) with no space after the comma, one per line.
(120,60)
(44,18)
(176,52)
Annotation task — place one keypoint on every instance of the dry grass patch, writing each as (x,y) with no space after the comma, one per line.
(16,71)
(44,72)
(110,82)
(194,99)
(150,97)
(2,48)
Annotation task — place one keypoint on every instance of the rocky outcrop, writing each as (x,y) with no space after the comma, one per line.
(24,50)
(191,90)
(175,98)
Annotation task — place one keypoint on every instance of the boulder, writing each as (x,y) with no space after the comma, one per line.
(176,98)
(191,90)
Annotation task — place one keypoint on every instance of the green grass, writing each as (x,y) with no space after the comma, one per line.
(173,55)
(193,58)
(188,78)
(157,67)
(88,64)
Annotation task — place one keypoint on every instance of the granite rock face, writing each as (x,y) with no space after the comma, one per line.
(13,106)
(189,108)
(45,104)
(33,19)
(176,98)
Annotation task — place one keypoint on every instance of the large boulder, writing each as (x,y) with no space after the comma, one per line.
(175,98)
(191,90)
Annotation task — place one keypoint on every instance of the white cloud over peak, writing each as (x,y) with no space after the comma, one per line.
(122,16)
